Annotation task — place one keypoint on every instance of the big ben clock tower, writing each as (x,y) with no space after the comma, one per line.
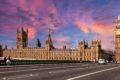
(117,41)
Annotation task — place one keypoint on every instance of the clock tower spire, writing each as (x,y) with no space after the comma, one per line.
(117,41)
(118,21)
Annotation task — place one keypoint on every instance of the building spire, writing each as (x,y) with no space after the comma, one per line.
(49,36)
(118,17)
(49,44)
(0,49)
(22,29)
(38,43)
(49,31)
(18,29)
(5,46)
(27,30)
(118,21)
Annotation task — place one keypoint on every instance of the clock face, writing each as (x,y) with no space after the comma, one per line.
(118,32)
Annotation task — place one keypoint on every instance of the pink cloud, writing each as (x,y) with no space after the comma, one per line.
(37,7)
(32,5)
(82,25)
(106,34)
(103,28)
(105,31)
(31,33)
(81,16)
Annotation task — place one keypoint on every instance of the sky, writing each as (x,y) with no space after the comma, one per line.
(70,21)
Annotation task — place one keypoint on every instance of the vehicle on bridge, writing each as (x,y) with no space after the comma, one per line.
(102,61)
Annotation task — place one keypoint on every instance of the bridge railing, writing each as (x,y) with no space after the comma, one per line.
(24,62)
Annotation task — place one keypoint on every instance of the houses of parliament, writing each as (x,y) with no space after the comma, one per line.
(83,52)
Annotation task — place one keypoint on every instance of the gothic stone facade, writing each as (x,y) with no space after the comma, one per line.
(22,51)
(117,41)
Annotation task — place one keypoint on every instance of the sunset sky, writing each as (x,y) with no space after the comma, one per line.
(70,20)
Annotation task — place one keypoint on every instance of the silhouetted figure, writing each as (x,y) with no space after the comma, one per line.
(5,60)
